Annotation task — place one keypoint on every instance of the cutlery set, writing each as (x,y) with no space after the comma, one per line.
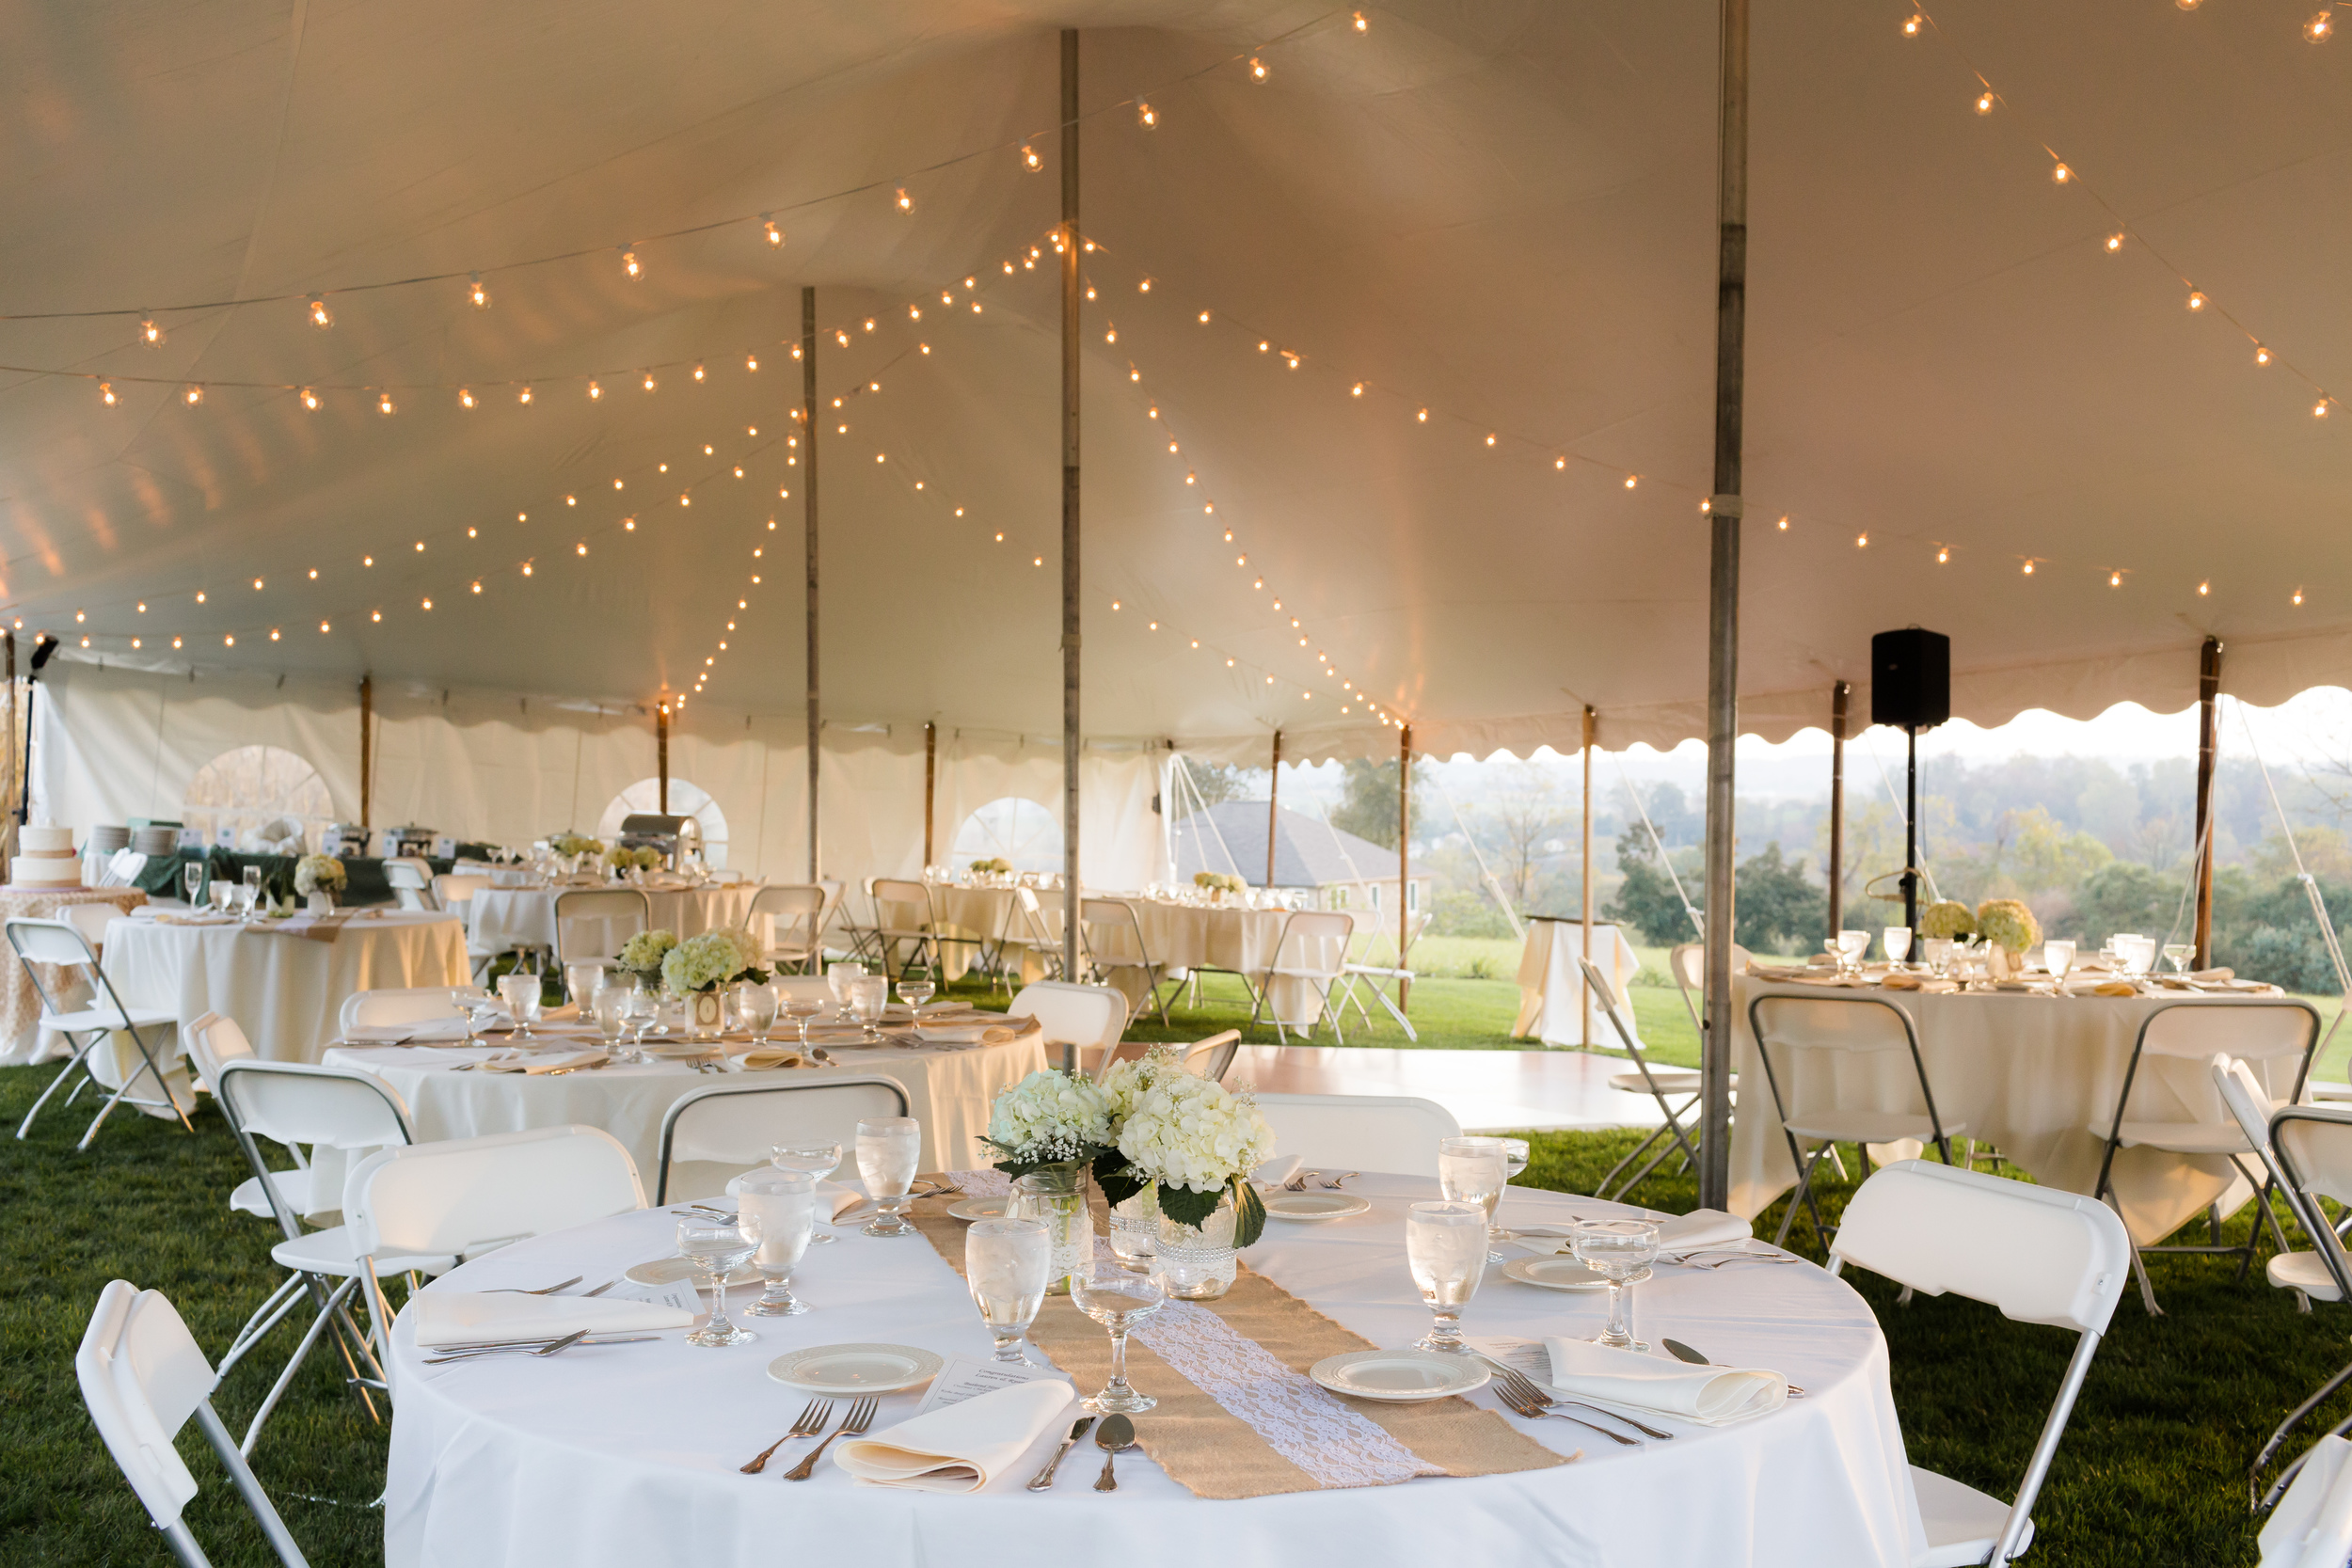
(1297,1184)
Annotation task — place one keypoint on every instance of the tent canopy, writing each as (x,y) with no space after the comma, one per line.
(1500,215)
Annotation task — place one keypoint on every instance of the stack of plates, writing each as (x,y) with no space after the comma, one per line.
(105,840)
(153,841)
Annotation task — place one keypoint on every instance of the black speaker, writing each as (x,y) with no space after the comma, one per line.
(1911,678)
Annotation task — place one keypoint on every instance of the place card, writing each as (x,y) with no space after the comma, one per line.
(967,1377)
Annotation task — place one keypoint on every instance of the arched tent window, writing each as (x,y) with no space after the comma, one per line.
(1021,832)
(269,798)
(686,799)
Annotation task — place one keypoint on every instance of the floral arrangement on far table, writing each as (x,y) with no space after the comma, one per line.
(643,956)
(1218,882)
(575,843)
(319,874)
(994,865)
(710,960)
(2008,923)
(1947,918)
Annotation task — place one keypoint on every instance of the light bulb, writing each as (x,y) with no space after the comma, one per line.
(2196,300)
(324,626)
(840,337)
(1144,287)
(1910,26)
(1943,555)
(775,235)
(2319,27)
(1490,440)
(2261,355)
(1363,23)
(1031,160)
(1561,464)
(1984,102)
(1862,541)
(2203,588)
(2114,241)
(1631,480)
(273,637)
(2296,597)
(193,395)
(649,381)
(698,373)
(2115,580)
(428,604)
(384,402)
(475,293)
(2029,567)
(751,361)
(149,333)
(2186,5)
(906,202)
(229,640)
(1257,69)
(1422,417)
(1145,116)
(595,391)
(320,315)
(2061,173)
(465,398)
(630,265)
(1784,522)
(2319,409)
(309,400)
(523,396)
(106,393)
(1204,318)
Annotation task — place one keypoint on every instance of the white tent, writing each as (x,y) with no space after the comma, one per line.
(1502,215)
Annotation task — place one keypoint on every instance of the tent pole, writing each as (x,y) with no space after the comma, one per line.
(1273,804)
(1069,502)
(1723,620)
(1591,727)
(661,753)
(930,785)
(1403,832)
(808,539)
(1839,692)
(2208,740)
(366,751)
(8,767)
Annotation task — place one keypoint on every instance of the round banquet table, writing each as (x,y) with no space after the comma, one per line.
(949,1092)
(1200,936)
(2029,1075)
(283,989)
(504,917)
(21,1039)
(626,1455)
(972,918)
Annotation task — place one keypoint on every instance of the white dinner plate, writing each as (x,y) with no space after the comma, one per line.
(663,1271)
(1554,1273)
(1399,1376)
(856,1369)
(980,1208)
(1284,1204)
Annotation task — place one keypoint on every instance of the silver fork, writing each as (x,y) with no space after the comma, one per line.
(542,1291)
(1333,1184)
(861,1415)
(1504,1392)
(1525,1388)
(812,1421)
(550,1348)
(1297,1184)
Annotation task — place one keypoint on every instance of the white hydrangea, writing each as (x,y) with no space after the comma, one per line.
(701,962)
(1188,1130)
(1049,1116)
(1130,1078)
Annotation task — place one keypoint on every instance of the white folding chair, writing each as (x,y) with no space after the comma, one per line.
(1659,1082)
(431,1207)
(903,916)
(1076,1018)
(292,1102)
(592,925)
(1311,950)
(2191,1031)
(394,1005)
(2312,1528)
(411,881)
(1687,963)
(1211,1058)
(91,920)
(2038,1254)
(1370,1131)
(453,891)
(798,914)
(736,1126)
(1374,976)
(1026,926)
(1847,1027)
(213,1042)
(142,1377)
(61,943)
(1112,937)
(2312,1145)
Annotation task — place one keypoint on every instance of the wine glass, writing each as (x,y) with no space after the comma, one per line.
(1006,1262)
(1445,1247)
(466,999)
(783,1204)
(252,880)
(820,1161)
(1117,1298)
(1850,946)
(717,1251)
(1897,939)
(757,1005)
(915,992)
(887,1150)
(2177,954)
(1621,1252)
(1474,1170)
(192,877)
(1514,1157)
(521,993)
(2057,958)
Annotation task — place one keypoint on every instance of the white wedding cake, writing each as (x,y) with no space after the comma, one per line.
(45,857)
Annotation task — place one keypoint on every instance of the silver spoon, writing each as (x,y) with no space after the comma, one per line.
(1114,1436)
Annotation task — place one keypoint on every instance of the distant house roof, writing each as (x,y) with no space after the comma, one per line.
(1308,851)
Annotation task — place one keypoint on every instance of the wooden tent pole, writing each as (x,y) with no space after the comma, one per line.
(808,539)
(661,753)
(366,751)
(1839,692)
(1070,580)
(2208,744)
(1722,642)
(1273,806)
(930,786)
(1591,728)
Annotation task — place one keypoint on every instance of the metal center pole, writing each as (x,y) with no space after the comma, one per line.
(1070,503)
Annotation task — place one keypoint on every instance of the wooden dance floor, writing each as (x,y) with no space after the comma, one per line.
(1487,1091)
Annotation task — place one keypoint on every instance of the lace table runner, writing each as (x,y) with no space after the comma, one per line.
(1238,1417)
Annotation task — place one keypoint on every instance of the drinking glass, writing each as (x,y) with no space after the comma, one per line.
(717,1251)
(1897,939)
(1474,1170)
(782,1205)
(868,995)
(252,880)
(1006,1262)
(838,975)
(609,1004)
(466,999)
(887,1149)
(1621,1252)
(1939,951)
(223,894)
(1445,1247)
(2177,954)
(521,992)
(757,1005)
(1850,946)
(1117,1298)
(915,992)
(800,1010)
(192,877)
(580,977)
(820,1161)
(2138,954)
(2057,958)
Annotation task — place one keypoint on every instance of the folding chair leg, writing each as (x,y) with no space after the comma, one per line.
(265,1317)
(2280,1437)
(72,1062)
(2147,1291)
(293,1365)
(1804,1194)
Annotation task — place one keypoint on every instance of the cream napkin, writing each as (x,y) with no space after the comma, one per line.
(761,1059)
(1711,1395)
(542,1062)
(1695,1231)
(1276,1170)
(961,1447)
(466,1317)
(973,1032)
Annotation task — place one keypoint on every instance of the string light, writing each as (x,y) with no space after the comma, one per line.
(2115,580)
(2319,27)
(1363,23)
(1943,555)
(906,202)
(309,400)
(476,295)
(775,235)
(2261,355)
(751,361)
(2319,409)
(649,381)
(321,317)
(1862,541)
(106,393)
(1145,116)
(149,334)
(2029,566)
(2203,588)
(2297,599)
(1984,102)
(1910,26)
(192,395)
(1030,159)
(523,396)
(2114,241)
(698,373)
(2060,174)
(465,398)
(384,404)
(1784,522)
(2196,300)
(595,391)
(1257,69)
(630,265)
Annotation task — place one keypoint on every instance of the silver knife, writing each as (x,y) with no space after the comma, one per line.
(1045,1479)
(1682,1351)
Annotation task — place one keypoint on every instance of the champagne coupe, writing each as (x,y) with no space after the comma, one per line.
(717,1251)
(1117,1298)
(915,992)
(757,1005)
(466,999)
(1897,939)
(820,1161)
(2177,954)
(1621,1252)
(192,877)
(1006,1262)
(1445,1247)
(887,1150)
(522,993)
(800,1010)
(782,1205)
(1474,1170)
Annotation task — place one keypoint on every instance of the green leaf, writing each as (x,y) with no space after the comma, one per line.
(1186,1207)
(1249,1214)
(1116,1177)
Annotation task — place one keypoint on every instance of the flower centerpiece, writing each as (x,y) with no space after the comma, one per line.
(995,866)
(575,843)
(1219,885)
(701,968)
(319,877)
(619,857)
(2008,928)
(648,858)
(643,956)
(1947,919)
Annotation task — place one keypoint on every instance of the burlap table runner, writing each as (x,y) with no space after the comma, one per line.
(1296,1436)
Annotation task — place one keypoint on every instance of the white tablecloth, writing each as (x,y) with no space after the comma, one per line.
(2029,1074)
(949,1092)
(1191,936)
(1552,986)
(626,1455)
(504,917)
(971,917)
(284,991)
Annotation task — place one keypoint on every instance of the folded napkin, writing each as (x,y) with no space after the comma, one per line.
(467,1317)
(544,1061)
(975,1032)
(1697,1231)
(1276,1170)
(1711,1395)
(763,1058)
(2115,987)
(960,1446)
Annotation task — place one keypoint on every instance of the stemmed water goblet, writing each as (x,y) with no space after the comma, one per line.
(840,976)
(755,1005)
(1897,939)
(2058,958)
(818,1160)
(1445,1249)
(1850,946)
(717,1251)
(782,1205)
(1475,1170)
(252,883)
(1117,1297)
(868,995)
(521,993)
(1621,1252)
(887,1150)
(1005,1261)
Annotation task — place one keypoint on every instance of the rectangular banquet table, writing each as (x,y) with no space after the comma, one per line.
(2028,1073)
(1552,986)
